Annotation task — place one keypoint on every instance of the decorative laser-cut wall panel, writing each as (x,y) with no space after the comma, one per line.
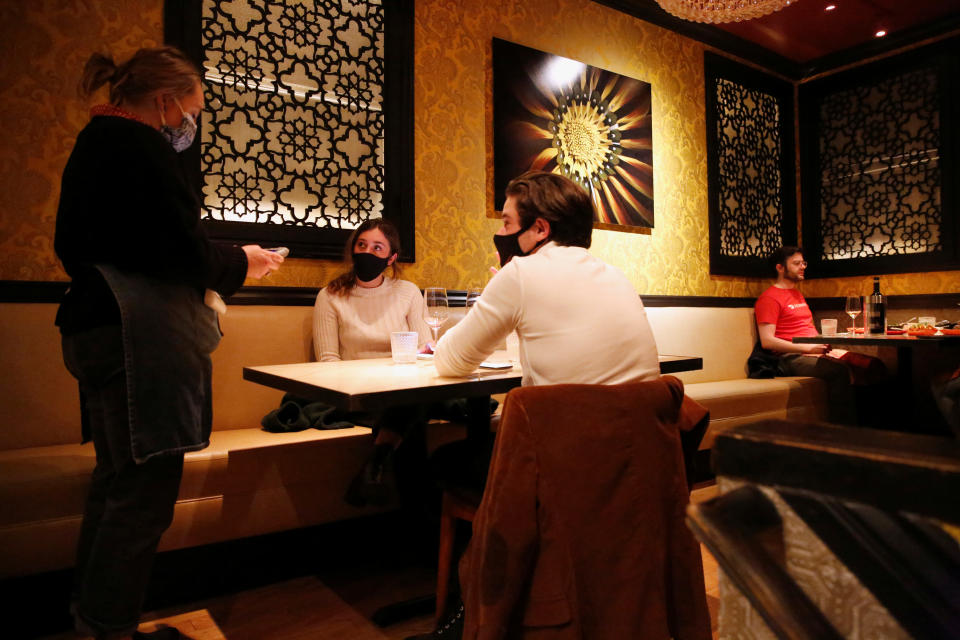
(880,168)
(750,147)
(880,165)
(294,131)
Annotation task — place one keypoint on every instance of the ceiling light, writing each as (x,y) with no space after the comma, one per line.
(722,10)
(880,33)
(830,7)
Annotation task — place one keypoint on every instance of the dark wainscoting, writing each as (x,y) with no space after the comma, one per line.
(913,301)
(12,291)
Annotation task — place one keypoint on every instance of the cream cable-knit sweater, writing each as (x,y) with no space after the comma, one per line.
(358,325)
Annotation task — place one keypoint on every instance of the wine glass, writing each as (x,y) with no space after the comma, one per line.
(854,307)
(436,310)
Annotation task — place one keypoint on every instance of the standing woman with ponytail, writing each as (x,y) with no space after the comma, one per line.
(353,318)
(136,333)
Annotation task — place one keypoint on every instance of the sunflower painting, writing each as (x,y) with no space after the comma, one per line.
(593,126)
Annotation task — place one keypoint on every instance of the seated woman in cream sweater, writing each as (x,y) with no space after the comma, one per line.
(352,319)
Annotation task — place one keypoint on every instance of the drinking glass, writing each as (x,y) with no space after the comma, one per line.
(436,310)
(854,308)
(473,293)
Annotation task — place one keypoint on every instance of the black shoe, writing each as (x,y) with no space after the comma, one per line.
(450,629)
(374,484)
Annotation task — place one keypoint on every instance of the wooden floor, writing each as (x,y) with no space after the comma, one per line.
(334,604)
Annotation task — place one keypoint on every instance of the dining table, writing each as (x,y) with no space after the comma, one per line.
(905,345)
(379,383)
(913,406)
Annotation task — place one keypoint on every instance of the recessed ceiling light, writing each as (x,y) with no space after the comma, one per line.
(880,33)
(830,7)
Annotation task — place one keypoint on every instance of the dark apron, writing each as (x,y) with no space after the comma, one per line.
(168,336)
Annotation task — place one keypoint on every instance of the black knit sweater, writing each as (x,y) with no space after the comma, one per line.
(125,201)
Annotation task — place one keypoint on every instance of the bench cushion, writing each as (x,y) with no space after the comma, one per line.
(248,482)
(735,402)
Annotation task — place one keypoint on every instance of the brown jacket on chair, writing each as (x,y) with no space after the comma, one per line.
(581,530)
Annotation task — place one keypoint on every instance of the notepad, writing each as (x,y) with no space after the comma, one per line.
(496,365)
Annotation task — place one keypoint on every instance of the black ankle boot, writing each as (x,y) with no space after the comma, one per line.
(450,629)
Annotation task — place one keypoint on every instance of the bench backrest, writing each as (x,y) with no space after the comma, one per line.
(41,403)
(723,337)
(39,399)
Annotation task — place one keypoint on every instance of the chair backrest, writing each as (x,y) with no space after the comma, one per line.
(583,509)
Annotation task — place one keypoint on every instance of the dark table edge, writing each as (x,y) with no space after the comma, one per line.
(880,341)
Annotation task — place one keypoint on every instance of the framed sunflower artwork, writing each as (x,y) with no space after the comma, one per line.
(594,126)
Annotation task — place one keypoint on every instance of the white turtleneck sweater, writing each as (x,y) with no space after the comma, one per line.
(578,318)
(358,325)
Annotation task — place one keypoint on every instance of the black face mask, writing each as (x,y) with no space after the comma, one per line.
(368,266)
(508,246)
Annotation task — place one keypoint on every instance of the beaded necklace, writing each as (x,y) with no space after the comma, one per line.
(112,110)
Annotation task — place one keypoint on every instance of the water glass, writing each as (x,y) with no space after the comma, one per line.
(828,326)
(403,346)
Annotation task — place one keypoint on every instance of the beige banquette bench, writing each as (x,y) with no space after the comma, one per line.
(250,482)
(724,338)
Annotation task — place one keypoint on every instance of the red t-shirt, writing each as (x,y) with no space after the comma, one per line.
(787,309)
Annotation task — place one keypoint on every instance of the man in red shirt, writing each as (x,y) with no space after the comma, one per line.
(782,313)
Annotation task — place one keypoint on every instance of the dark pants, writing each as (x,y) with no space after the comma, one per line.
(836,375)
(129,505)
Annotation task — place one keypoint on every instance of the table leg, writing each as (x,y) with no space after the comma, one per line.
(478,418)
(919,413)
(905,367)
(478,431)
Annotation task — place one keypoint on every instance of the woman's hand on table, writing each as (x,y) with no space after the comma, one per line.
(261,262)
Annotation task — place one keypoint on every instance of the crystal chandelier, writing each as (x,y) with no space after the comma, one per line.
(722,10)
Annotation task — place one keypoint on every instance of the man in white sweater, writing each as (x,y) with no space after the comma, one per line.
(579,320)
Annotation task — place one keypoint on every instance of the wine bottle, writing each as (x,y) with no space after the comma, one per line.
(877,318)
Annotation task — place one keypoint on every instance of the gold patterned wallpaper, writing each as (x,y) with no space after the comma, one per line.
(41,116)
